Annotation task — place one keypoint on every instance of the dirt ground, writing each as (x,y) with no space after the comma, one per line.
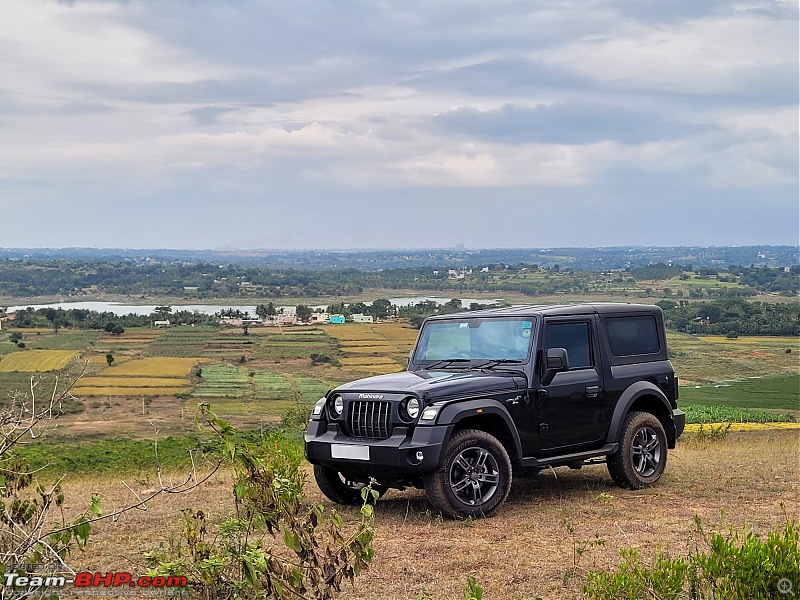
(552,530)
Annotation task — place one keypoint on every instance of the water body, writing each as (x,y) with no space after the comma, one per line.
(120,309)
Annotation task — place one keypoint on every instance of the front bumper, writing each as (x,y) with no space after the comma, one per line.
(389,459)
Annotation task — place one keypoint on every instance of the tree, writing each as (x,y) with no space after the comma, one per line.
(162,313)
(118,330)
(358,308)
(381,308)
(451,306)
(265,311)
(303,313)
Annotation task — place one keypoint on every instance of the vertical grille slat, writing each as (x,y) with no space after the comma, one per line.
(370,419)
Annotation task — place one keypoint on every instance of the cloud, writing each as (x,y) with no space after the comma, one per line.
(283,109)
(566,123)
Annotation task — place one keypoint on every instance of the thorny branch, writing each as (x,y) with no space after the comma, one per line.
(26,507)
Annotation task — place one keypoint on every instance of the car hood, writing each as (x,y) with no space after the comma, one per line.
(434,385)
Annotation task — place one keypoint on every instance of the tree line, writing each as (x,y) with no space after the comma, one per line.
(208,281)
(732,317)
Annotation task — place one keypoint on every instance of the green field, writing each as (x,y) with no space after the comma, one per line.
(203,342)
(781,392)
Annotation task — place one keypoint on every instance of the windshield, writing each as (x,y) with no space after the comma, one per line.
(506,339)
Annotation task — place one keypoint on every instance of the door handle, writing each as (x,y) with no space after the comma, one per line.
(592,391)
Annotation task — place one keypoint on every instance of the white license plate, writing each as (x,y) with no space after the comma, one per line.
(350,451)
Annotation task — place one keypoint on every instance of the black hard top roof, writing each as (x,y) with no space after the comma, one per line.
(550,310)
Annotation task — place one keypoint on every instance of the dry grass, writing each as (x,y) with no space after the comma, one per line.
(36,361)
(527,550)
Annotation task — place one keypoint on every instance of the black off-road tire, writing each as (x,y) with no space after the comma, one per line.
(642,454)
(340,488)
(475,479)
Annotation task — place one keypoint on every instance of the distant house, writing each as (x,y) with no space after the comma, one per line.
(322,317)
(338,319)
(161,323)
(362,319)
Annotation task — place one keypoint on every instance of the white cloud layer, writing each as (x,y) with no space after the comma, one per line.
(209,124)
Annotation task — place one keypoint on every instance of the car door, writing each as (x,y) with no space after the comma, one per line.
(571,409)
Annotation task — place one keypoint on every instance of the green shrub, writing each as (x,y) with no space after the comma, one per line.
(274,545)
(738,565)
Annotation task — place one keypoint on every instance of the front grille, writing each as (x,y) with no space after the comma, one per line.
(370,419)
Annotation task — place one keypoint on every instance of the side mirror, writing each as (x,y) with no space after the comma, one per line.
(556,360)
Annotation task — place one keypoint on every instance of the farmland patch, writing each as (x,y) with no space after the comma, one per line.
(153,367)
(33,361)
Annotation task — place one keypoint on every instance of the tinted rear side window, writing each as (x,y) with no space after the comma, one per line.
(631,336)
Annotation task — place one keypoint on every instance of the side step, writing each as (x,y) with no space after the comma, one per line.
(565,459)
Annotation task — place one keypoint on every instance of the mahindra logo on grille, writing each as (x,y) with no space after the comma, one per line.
(371,396)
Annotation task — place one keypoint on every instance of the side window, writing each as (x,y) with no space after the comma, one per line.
(631,336)
(575,338)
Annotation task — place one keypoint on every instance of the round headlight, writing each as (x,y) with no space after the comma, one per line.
(338,406)
(412,408)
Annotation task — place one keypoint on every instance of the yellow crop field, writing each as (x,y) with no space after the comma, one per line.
(398,333)
(31,361)
(100,359)
(127,382)
(383,349)
(367,360)
(352,332)
(129,391)
(152,367)
(375,369)
(693,427)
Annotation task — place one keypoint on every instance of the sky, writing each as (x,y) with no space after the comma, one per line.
(398,124)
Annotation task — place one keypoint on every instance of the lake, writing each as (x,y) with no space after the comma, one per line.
(120,309)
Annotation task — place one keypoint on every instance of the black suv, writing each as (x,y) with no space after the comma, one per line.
(491,391)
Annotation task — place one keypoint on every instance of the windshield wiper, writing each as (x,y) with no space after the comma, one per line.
(446,362)
(498,361)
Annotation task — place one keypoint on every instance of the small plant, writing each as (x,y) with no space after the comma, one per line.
(319,358)
(579,547)
(473,591)
(110,359)
(714,433)
(296,416)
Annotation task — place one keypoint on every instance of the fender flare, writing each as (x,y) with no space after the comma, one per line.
(631,395)
(451,414)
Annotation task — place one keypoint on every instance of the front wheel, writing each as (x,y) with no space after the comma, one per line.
(642,454)
(475,479)
(342,488)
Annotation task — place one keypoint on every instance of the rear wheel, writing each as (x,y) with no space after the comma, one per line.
(475,479)
(342,488)
(642,454)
